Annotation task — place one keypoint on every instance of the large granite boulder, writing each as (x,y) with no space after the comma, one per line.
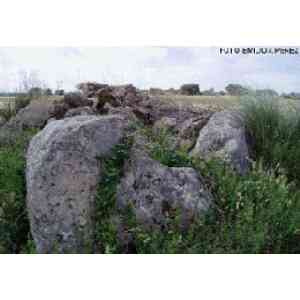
(62,174)
(224,137)
(156,192)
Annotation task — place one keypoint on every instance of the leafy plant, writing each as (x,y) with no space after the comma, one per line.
(162,148)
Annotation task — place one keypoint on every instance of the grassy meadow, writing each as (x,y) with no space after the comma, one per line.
(215,102)
(218,103)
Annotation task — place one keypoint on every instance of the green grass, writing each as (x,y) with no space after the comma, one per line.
(275,136)
(112,168)
(14,225)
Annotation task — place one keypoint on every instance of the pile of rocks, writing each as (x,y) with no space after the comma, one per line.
(124,95)
(90,88)
(63,166)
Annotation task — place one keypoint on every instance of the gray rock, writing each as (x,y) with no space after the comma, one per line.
(126,112)
(74,100)
(188,130)
(89,88)
(164,123)
(158,109)
(123,95)
(155,191)
(62,175)
(224,137)
(184,131)
(34,115)
(79,111)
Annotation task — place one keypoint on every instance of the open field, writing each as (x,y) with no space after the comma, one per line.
(216,102)
(212,102)
(220,102)
(4,101)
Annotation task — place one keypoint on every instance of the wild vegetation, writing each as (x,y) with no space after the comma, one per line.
(14,225)
(255,213)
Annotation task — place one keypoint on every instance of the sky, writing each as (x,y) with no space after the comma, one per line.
(145,67)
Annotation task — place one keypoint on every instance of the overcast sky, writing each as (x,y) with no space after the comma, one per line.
(149,67)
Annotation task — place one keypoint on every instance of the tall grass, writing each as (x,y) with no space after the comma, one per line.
(274,132)
(7,111)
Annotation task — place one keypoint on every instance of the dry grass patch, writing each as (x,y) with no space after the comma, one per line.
(208,102)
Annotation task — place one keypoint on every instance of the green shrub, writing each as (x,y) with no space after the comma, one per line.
(256,213)
(14,225)
(162,148)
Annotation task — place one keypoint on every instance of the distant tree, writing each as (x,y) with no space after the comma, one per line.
(190,89)
(59,92)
